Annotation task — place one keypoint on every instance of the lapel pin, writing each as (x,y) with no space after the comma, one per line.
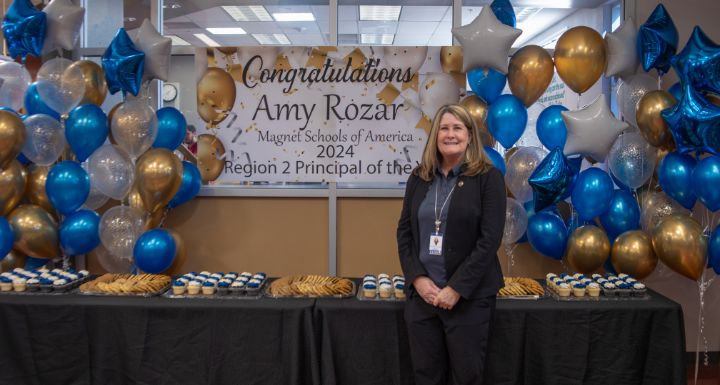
(461,183)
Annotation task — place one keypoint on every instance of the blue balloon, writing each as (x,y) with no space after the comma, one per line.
(189,187)
(714,250)
(675,177)
(24,27)
(7,237)
(497,160)
(592,192)
(697,63)
(86,129)
(552,178)
(486,83)
(551,128)
(154,251)
(171,128)
(692,122)
(123,64)
(35,105)
(80,232)
(706,182)
(35,263)
(676,91)
(547,234)
(504,12)
(657,41)
(506,119)
(623,215)
(67,186)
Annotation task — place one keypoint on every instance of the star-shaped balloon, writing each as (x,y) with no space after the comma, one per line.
(657,41)
(24,28)
(64,20)
(123,64)
(504,12)
(699,62)
(592,130)
(157,50)
(553,178)
(692,119)
(622,58)
(486,42)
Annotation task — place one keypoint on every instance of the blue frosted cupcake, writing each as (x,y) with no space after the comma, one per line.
(223,287)
(369,289)
(179,286)
(208,288)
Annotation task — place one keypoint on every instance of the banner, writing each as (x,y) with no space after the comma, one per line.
(320,114)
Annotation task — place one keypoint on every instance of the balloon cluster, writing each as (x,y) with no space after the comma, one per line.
(56,164)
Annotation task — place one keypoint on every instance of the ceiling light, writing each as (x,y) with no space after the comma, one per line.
(294,16)
(172,6)
(177,40)
(525,13)
(226,31)
(205,39)
(380,12)
(248,12)
(271,38)
(377,39)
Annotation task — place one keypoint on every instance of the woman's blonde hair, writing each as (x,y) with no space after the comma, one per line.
(476,161)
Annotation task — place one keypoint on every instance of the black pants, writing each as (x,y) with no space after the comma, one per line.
(448,346)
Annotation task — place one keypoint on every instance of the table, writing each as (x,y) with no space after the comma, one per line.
(75,339)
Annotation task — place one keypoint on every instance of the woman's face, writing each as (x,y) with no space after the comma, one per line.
(453,137)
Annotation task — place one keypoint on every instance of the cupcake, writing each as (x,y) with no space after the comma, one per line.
(596,276)
(205,272)
(369,289)
(563,290)
(383,275)
(20,284)
(246,274)
(46,285)
(609,289)
(369,277)
(83,273)
(214,281)
(33,284)
(178,287)
(208,288)
(622,276)
(623,289)
(237,287)
(579,290)
(193,288)
(399,290)
(593,289)
(223,287)
(260,275)
(397,277)
(630,280)
(243,279)
(217,276)
(183,279)
(253,284)
(385,290)
(59,284)
(232,275)
(639,289)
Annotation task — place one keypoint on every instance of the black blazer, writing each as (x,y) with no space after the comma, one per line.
(474,230)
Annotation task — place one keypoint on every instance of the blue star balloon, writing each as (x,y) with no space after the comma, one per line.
(123,64)
(692,119)
(504,12)
(24,29)
(657,41)
(699,62)
(552,178)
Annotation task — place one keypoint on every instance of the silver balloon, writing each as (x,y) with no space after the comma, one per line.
(120,227)
(64,20)
(516,221)
(622,58)
(134,127)
(111,263)
(156,48)
(14,81)
(519,168)
(60,87)
(44,139)
(592,130)
(111,171)
(629,93)
(656,206)
(632,159)
(405,57)
(486,41)
(437,90)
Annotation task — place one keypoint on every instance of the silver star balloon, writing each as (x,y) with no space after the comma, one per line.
(592,130)
(486,41)
(64,20)
(622,59)
(156,49)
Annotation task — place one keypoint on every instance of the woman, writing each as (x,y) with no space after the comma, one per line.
(448,235)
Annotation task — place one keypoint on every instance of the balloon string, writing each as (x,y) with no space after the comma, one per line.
(510,253)
(702,288)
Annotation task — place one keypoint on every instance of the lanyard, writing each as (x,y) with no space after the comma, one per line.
(437,216)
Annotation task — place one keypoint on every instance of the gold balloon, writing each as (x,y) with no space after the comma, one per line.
(35,232)
(451,59)
(12,137)
(478,111)
(158,174)
(530,72)
(12,186)
(215,96)
(135,200)
(35,190)
(580,58)
(633,254)
(227,50)
(110,118)
(587,249)
(209,149)
(178,264)
(11,261)
(651,124)
(94,78)
(679,242)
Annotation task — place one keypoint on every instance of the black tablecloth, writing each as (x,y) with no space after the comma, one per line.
(540,342)
(74,339)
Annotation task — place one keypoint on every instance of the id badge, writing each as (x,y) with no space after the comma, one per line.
(436,240)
